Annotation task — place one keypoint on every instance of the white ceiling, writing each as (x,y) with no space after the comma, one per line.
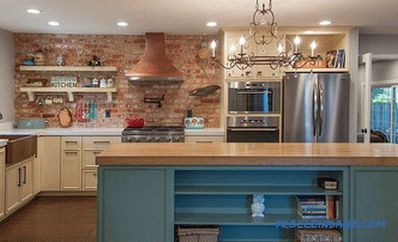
(189,16)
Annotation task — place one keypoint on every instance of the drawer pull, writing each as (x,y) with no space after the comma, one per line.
(19,177)
(71,152)
(204,142)
(97,152)
(95,174)
(24,175)
(102,142)
(71,142)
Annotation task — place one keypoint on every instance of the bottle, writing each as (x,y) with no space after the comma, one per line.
(103,83)
(94,83)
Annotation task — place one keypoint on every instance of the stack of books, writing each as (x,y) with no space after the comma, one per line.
(318,207)
(335,58)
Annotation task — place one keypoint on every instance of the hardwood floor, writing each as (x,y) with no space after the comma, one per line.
(52,219)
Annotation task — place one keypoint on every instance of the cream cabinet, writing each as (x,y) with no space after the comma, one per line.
(90,180)
(204,139)
(71,163)
(2,183)
(92,146)
(19,185)
(50,159)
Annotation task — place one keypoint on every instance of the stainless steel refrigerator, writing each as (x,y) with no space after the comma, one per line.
(316,107)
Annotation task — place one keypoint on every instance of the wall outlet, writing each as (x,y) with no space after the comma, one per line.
(108,113)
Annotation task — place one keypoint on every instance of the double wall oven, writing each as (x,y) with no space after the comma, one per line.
(254,110)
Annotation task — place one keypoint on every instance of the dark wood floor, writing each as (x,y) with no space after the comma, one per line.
(52,219)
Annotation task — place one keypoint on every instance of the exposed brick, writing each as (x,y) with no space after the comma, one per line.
(122,51)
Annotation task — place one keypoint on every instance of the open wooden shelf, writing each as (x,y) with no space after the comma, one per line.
(32,91)
(248,190)
(231,219)
(328,70)
(69,68)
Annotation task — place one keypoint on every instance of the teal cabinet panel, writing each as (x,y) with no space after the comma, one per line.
(135,205)
(374,196)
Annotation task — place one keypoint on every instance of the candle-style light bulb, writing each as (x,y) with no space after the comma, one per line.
(280,48)
(213,46)
(232,49)
(297,42)
(313,47)
(242,41)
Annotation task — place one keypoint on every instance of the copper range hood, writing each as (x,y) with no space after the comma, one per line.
(154,64)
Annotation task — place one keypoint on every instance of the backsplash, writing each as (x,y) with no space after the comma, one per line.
(122,51)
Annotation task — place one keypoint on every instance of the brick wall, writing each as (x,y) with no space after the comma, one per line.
(123,52)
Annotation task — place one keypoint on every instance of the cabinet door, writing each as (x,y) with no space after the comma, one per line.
(50,157)
(71,170)
(135,204)
(27,181)
(374,196)
(89,157)
(90,180)
(36,175)
(2,183)
(13,185)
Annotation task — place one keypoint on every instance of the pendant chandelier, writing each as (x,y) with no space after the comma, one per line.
(263,31)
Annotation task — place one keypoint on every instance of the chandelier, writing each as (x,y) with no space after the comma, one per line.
(263,31)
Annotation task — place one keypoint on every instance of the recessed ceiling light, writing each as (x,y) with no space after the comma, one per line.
(325,23)
(53,23)
(33,10)
(122,24)
(211,24)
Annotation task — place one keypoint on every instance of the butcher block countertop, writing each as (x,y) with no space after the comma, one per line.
(243,154)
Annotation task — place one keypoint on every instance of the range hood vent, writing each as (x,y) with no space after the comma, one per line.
(154,64)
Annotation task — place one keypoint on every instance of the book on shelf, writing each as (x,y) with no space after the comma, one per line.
(327,183)
(336,58)
(317,207)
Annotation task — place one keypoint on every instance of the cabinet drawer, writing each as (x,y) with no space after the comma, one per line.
(90,180)
(71,143)
(100,141)
(89,157)
(204,139)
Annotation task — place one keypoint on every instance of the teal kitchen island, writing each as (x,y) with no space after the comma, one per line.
(147,190)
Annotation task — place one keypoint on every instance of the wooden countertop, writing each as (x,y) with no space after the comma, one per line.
(237,154)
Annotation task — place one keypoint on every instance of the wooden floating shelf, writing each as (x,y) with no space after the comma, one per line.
(69,68)
(249,190)
(328,70)
(32,91)
(231,219)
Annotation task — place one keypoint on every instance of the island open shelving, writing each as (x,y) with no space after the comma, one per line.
(222,197)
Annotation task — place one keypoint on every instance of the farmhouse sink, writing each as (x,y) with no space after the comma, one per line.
(19,147)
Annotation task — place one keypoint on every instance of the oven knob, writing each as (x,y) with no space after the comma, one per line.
(169,139)
(157,139)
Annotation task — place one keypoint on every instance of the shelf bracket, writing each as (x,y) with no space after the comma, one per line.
(70,96)
(109,95)
(31,96)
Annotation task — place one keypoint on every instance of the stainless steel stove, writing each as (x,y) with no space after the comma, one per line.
(154,134)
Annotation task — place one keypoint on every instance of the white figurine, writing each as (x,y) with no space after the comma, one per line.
(257,206)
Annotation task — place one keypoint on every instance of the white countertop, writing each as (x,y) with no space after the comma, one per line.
(3,142)
(66,132)
(99,132)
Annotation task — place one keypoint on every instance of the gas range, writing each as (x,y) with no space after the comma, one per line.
(154,134)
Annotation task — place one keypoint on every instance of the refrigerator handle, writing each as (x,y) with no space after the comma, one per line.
(315,108)
(321,109)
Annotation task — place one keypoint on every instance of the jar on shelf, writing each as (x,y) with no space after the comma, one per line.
(95,82)
(103,83)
